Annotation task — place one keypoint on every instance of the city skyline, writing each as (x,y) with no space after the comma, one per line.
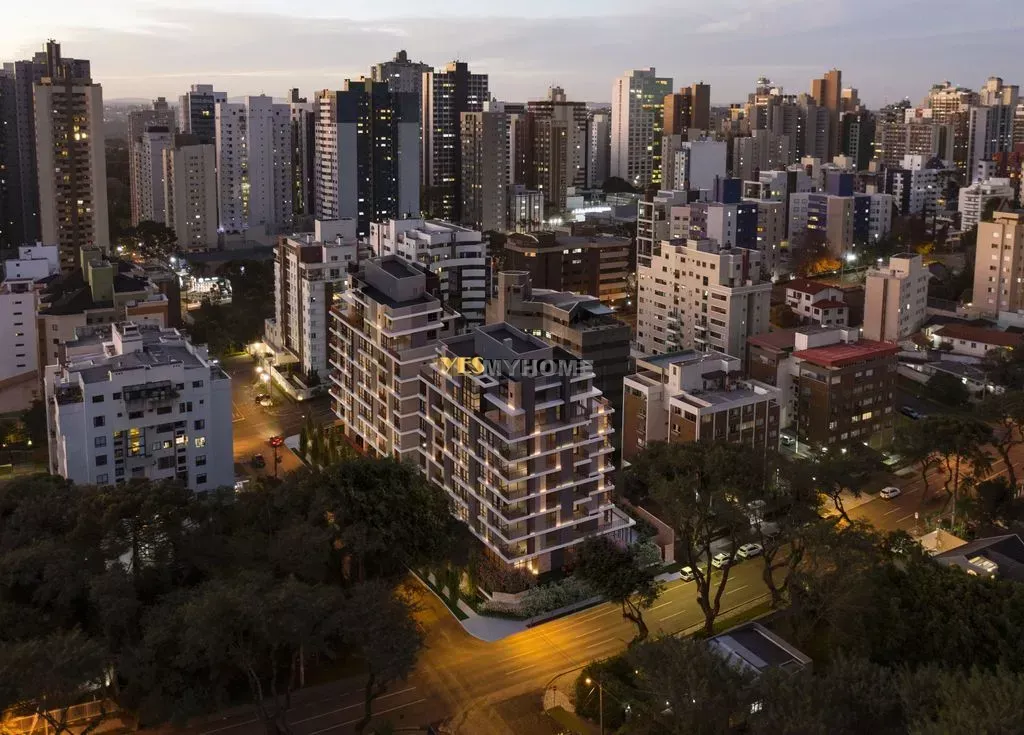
(729,45)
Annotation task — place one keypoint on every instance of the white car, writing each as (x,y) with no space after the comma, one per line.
(721,560)
(686,574)
(889,493)
(749,551)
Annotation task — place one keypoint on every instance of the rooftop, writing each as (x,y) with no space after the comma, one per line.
(1007,552)
(831,304)
(398,268)
(805,285)
(979,334)
(754,648)
(782,339)
(847,353)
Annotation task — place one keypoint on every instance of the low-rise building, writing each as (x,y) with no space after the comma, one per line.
(310,271)
(131,401)
(896,298)
(575,259)
(696,396)
(457,255)
(384,329)
(817,303)
(525,459)
(579,323)
(836,388)
(974,341)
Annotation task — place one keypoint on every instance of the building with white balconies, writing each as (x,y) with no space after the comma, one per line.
(525,460)
(457,255)
(131,401)
(974,199)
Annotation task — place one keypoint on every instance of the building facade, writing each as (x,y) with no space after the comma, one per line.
(401,75)
(638,112)
(525,460)
(197,112)
(190,192)
(138,402)
(974,198)
(599,147)
(147,179)
(999,264)
(485,167)
(557,142)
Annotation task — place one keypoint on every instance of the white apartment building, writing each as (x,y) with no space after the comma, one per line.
(458,255)
(147,160)
(896,298)
(695,164)
(818,303)
(384,330)
(638,99)
(915,187)
(999,265)
(696,295)
(190,192)
(525,209)
(254,164)
(33,263)
(130,401)
(665,217)
(311,270)
(974,199)
(526,461)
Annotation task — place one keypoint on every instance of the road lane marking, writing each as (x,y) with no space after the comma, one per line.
(357,704)
(516,671)
(904,518)
(382,712)
(669,617)
(890,512)
(599,643)
(528,653)
(729,592)
(662,605)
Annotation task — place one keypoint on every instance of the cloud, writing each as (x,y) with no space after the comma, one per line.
(886,48)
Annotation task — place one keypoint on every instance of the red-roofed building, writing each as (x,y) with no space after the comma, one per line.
(966,339)
(817,303)
(836,388)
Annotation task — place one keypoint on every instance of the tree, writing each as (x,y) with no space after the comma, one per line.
(992,500)
(948,389)
(47,676)
(842,471)
(379,623)
(1007,412)
(782,317)
(1004,367)
(915,444)
(696,486)
(984,702)
(303,441)
(157,240)
(618,576)
(34,419)
(959,440)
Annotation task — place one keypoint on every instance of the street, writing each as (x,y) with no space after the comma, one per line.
(254,424)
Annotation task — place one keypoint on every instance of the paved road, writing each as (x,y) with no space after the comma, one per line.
(254,424)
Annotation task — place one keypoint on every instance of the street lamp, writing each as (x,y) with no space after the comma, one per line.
(600,700)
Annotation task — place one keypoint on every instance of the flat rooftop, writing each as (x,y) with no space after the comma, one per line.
(398,268)
(755,648)
(847,353)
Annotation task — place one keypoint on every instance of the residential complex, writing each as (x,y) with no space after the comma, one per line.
(999,265)
(696,295)
(486,167)
(835,387)
(693,396)
(525,460)
(457,255)
(574,260)
(578,323)
(190,192)
(384,330)
(131,401)
(896,298)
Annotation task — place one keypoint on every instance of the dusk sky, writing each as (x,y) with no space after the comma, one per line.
(887,49)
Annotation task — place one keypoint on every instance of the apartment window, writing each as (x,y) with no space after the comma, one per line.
(135,414)
(98,421)
(116,396)
(201,460)
(165,463)
(197,384)
(184,407)
(200,479)
(101,459)
(100,441)
(102,479)
(53,327)
(199,424)
(97,399)
(200,442)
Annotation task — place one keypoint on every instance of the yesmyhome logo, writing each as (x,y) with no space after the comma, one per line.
(515,368)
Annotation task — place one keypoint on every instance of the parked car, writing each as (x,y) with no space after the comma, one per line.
(266,402)
(721,560)
(258,462)
(686,574)
(787,441)
(260,397)
(749,551)
(889,493)
(911,413)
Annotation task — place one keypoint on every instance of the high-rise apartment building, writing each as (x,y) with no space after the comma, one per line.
(761,151)
(197,112)
(458,256)
(692,396)
(991,126)
(576,322)
(70,159)
(485,167)
(688,109)
(698,295)
(974,198)
(916,184)
(311,270)
(447,93)
(857,137)
(694,165)
(367,154)
(131,401)
(599,147)
(525,209)
(638,110)
(999,265)
(147,174)
(827,92)
(254,164)
(401,75)
(303,119)
(557,141)
(896,298)
(655,222)
(384,330)
(525,460)
(574,259)
(190,192)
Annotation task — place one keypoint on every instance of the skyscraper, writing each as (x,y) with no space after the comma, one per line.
(485,167)
(688,108)
(190,192)
(303,122)
(254,164)
(599,146)
(146,153)
(827,92)
(197,111)
(638,111)
(558,144)
(72,169)
(401,74)
(366,154)
(446,95)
